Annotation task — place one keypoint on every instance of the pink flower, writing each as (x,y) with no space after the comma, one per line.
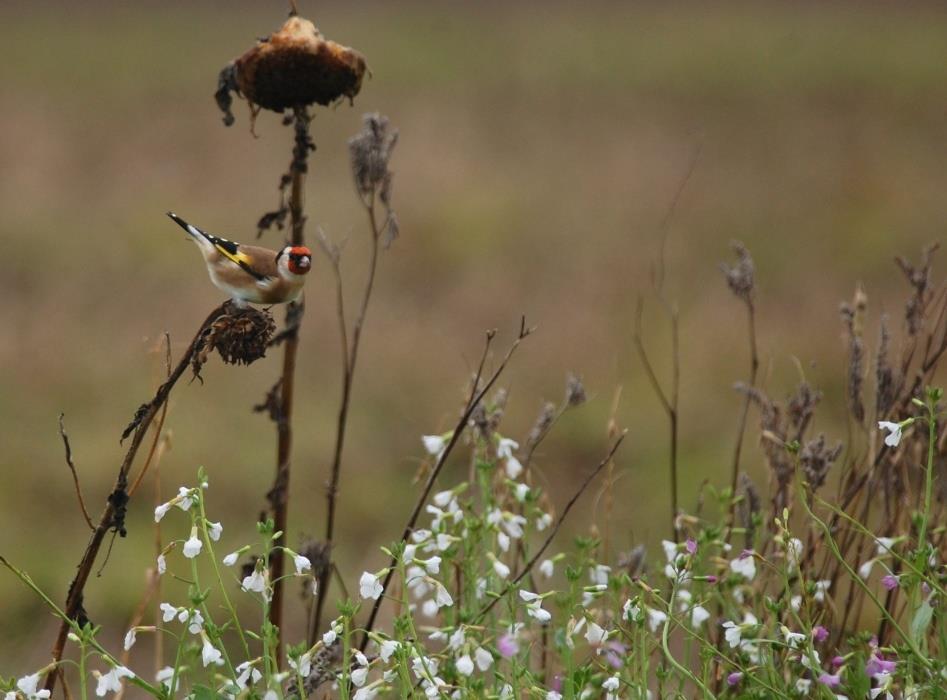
(734,678)
(711,579)
(614,653)
(820,634)
(507,646)
(889,581)
(877,664)
(837,661)
(830,680)
(691,546)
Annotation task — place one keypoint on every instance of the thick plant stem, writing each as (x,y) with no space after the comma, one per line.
(279,494)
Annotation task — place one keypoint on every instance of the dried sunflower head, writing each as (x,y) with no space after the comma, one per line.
(293,67)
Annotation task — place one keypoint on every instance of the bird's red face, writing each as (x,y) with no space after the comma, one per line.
(299,260)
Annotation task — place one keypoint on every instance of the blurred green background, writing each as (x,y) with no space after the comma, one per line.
(540,147)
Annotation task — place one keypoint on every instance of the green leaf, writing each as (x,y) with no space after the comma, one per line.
(922,618)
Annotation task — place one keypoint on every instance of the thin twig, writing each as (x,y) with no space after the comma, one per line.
(549,538)
(744,414)
(117,499)
(349,358)
(473,401)
(72,468)
(670,404)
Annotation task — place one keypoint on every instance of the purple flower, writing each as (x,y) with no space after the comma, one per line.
(877,664)
(557,683)
(837,661)
(925,588)
(614,653)
(711,579)
(889,581)
(820,634)
(734,678)
(691,546)
(507,646)
(746,553)
(830,679)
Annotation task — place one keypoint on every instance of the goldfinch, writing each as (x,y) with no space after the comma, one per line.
(250,273)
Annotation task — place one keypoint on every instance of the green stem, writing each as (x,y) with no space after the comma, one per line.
(220,581)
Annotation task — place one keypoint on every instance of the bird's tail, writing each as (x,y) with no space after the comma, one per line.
(202,238)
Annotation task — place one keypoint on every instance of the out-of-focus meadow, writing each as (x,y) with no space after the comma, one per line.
(540,147)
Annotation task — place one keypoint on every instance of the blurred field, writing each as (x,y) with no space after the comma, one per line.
(540,148)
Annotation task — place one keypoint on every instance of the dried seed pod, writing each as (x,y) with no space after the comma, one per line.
(293,67)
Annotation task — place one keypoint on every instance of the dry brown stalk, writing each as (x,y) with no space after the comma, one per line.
(476,396)
(113,515)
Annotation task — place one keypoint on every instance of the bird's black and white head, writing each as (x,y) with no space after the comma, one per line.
(294,260)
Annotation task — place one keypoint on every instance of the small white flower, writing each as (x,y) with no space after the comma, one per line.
(884,545)
(465,665)
(215,530)
(656,618)
(165,675)
(745,566)
(611,684)
(28,684)
(302,563)
(483,658)
(670,550)
(795,602)
(231,559)
(433,565)
(255,582)
(444,541)
(130,639)
(193,546)
(543,521)
(699,615)
(894,432)
(821,587)
(410,551)
(184,499)
(434,444)
(595,634)
(302,665)
(547,568)
(793,639)
(367,693)
(537,611)
(210,654)
(599,574)
(442,498)
(630,611)
(503,540)
(111,682)
(162,564)
(457,639)
(803,685)
(359,677)
(442,597)
(388,647)
(513,467)
(169,612)
(553,695)
(271,695)
(505,447)
(329,637)
(521,492)
(370,587)
(161,511)
(865,569)
(246,672)
(195,621)
(501,569)
(733,633)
